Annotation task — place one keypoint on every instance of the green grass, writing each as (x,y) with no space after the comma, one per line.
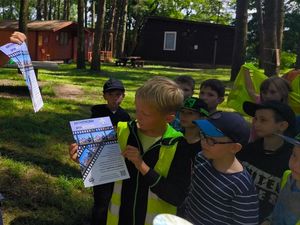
(41,185)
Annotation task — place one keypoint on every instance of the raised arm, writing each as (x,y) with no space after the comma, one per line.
(249,85)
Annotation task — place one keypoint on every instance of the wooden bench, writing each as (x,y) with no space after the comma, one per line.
(137,63)
(121,62)
(47,65)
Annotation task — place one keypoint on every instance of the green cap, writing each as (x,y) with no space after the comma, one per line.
(196,104)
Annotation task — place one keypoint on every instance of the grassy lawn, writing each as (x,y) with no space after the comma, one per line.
(41,185)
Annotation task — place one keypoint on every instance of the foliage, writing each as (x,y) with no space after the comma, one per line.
(287,60)
(292,31)
(41,185)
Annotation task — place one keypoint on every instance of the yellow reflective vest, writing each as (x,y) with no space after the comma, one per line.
(155,205)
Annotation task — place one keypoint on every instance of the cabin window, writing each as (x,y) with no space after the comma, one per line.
(63,38)
(170,41)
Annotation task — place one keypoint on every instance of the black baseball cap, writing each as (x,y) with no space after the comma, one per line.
(113,84)
(283,109)
(197,105)
(225,124)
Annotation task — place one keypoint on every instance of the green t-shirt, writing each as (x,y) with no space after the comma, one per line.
(147,141)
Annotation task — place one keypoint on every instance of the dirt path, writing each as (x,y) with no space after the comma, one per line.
(68,91)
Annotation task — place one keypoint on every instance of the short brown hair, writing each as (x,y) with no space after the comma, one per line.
(162,93)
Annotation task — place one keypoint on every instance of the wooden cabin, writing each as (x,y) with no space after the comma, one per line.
(50,40)
(185,42)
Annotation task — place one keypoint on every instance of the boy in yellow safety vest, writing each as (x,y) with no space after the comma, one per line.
(287,208)
(159,167)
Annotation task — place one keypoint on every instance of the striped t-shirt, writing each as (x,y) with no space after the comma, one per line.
(218,198)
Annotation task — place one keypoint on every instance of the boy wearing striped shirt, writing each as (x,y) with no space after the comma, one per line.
(222,191)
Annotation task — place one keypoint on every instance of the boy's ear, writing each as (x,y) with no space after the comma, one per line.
(283,125)
(170,117)
(220,100)
(236,148)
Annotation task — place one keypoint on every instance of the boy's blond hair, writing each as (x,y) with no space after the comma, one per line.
(162,93)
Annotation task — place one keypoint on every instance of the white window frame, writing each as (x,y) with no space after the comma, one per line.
(165,40)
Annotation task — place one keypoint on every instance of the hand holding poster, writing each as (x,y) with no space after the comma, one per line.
(99,153)
(20,55)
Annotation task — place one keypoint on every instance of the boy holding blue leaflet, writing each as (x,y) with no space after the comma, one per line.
(222,191)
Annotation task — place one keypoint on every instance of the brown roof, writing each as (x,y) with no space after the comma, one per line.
(53,25)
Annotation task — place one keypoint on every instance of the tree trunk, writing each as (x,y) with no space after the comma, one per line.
(260,33)
(80,35)
(271,52)
(58,10)
(135,34)
(93,14)
(280,23)
(50,10)
(240,38)
(86,10)
(122,29)
(45,9)
(116,28)
(66,14)
(39,10)
(297,65)
(95,65)
(23,16)
(54,10)
(111,21)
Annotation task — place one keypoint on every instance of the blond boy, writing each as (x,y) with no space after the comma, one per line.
(159,168)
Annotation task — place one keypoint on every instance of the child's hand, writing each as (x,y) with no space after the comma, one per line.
(17,37)
(133,155)
(73,152)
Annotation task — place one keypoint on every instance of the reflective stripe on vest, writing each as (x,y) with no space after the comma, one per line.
(155,205)
(285,177)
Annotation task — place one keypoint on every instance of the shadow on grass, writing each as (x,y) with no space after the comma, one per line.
(48,165)
(15,90)
(44,200)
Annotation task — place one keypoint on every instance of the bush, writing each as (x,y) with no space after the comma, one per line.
(287,60)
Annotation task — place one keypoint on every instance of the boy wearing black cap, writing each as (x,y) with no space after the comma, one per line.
(222,191)
(193,109)
(287,208)
(113,93)
(267,157)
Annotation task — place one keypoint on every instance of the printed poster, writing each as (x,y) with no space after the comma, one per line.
(99,153)
(20,55)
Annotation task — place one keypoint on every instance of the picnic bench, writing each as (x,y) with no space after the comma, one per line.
(134,61)
(47,65)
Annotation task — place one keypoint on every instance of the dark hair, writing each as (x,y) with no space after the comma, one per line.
(185,79)
(215,85)
(279,118)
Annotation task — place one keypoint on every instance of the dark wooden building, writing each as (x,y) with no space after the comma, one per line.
(49,40)
(186,42)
